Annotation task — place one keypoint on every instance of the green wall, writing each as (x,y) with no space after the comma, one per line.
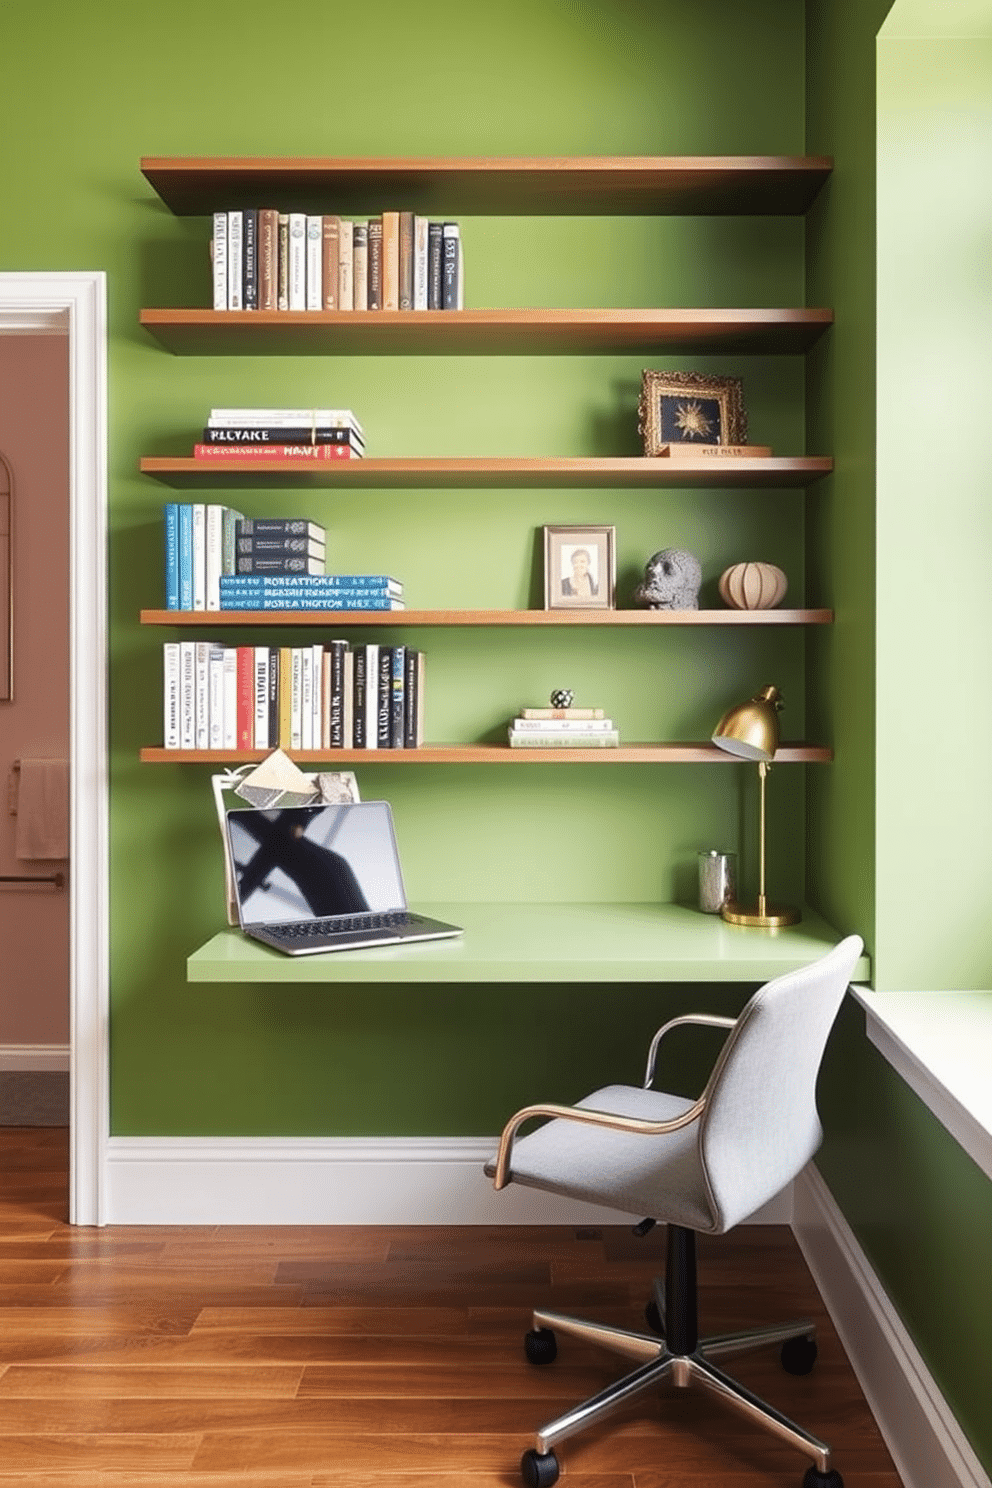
(84,99)
(893,819)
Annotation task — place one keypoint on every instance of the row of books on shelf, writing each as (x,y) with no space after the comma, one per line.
(264,259)
(563,728)
(338,696)
(281,433)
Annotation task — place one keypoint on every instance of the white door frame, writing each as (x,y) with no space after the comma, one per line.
(74,305)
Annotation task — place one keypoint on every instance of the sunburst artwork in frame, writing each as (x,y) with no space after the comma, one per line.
(690,408)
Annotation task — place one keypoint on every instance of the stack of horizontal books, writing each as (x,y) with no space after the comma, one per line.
(302,434)
(563,728)
(268,260)
(334,696)
(257,589)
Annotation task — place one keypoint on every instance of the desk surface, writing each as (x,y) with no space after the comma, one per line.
(543,943)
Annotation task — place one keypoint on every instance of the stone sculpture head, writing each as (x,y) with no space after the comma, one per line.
(671,581)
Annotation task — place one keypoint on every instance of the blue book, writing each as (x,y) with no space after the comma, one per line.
(397,693)
(171,515)
(314,583)
(185,557)
(326,602)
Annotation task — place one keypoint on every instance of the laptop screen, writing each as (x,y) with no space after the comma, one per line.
(309,862)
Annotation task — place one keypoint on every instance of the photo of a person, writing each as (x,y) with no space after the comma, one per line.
(579,581)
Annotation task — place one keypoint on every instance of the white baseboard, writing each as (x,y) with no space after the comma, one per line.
(928,1446)
(33,1058)
(330,1180)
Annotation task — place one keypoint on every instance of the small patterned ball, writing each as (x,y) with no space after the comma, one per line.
(562,697)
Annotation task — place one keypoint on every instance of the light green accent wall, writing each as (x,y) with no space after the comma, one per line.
(83,100)
(918,1205)
(934,700)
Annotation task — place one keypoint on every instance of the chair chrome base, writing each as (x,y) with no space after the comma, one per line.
(681,1358)
(682,1370)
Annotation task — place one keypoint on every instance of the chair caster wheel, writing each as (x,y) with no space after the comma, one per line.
(816,1479)
(541,1347)
(539,1469)
(798,1357)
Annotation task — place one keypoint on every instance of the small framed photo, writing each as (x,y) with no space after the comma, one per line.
(579,568)
(690,408)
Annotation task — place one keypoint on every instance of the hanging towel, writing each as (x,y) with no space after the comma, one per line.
(43,809)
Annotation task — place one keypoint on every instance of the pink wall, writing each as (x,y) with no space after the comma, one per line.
(34,438)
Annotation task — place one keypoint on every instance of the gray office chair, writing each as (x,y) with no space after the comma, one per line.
(703,1166)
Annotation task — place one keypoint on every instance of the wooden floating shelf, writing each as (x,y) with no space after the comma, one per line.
(410,618)
(630,473)
(644,185)
(493,754)
(196,332)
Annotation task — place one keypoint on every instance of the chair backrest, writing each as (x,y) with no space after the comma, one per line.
(760,1126)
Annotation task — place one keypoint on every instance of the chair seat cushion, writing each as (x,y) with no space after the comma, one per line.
(657,1177)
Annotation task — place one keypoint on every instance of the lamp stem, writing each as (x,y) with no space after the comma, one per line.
(762,777)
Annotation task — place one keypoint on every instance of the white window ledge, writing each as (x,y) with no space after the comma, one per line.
(941,1045)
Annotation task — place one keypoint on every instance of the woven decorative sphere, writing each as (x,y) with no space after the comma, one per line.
(562,697)
(753,586)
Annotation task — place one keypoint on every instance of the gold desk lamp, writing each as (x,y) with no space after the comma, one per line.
(750,732)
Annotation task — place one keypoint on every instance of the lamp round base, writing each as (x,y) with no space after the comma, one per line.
(761,916)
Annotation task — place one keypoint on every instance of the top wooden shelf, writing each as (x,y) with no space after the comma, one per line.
(591,185)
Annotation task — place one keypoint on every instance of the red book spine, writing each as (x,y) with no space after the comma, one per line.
(303,452)
(246,697)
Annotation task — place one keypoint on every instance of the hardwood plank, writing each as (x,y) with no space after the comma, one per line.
(149,1381)
(157,1452)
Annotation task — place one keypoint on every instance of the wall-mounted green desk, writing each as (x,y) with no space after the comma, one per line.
(544,943)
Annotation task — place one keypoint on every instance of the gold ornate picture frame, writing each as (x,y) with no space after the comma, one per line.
(690,409)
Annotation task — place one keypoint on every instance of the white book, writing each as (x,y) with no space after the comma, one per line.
(306,697)
(199,556)
(319,663)
(346,266)
(360,265)
(297,260)
(219,260)
(215,692)
(235,260)
(314,267)
(347,703)
(230,686)
(563,725)
(201,704)
(170,678)
(187,694)
(214,563)
(372,695)
(296,698)
(329,418)
(262,697)
(420,236)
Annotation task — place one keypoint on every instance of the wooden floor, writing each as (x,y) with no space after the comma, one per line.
(346,1357)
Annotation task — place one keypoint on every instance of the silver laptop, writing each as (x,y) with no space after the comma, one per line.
(323,878)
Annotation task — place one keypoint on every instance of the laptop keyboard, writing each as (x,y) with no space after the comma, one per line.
(347,924)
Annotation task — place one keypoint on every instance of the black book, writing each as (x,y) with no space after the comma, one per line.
(273,697)
(278,563)
(435,255)
(298,434)
(413,700)
(385,690)
(308,547)
(280,527)
(449,283)
(337,650)
(251,266)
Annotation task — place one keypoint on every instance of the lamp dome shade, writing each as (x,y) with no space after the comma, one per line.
(750,730)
